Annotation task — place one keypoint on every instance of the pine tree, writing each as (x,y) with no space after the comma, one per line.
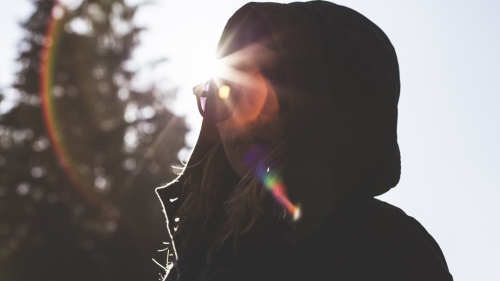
(82,152)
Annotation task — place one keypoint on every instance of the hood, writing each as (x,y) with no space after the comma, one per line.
(343,81)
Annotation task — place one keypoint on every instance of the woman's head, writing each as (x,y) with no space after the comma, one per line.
(341,88)
(327,122)
(341,85)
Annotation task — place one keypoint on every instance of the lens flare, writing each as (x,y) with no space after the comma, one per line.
(273,182)
(55,29)
(224,92)
(242,68)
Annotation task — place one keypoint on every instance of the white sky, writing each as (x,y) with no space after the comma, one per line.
(449,120)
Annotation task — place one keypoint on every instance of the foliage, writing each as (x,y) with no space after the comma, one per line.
(77,180)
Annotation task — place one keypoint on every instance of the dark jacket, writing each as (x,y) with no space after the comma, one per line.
(343,89)
(361,240)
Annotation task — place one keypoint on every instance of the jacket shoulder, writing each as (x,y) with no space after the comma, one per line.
(401,246)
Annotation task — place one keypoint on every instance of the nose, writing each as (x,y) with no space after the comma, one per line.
(248,118)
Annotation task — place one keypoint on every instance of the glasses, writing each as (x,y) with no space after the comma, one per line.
(217,99)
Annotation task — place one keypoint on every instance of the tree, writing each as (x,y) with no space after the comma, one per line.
(82,152)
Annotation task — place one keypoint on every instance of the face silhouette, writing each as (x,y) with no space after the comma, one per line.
(257,123)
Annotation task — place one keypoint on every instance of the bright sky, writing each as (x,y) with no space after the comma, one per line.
(449,121)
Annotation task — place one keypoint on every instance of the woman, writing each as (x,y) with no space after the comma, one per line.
(298,136)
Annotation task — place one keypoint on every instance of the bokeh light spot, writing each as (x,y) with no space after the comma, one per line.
(23,188)
(224,92)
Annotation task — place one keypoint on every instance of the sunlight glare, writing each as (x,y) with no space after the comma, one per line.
(207,70)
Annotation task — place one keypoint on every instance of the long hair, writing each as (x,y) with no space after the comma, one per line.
(219,206)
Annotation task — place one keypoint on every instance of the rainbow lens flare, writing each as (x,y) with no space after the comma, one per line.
(273,182)
(61,149)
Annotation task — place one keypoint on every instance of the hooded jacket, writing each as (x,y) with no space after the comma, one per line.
(343,80)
